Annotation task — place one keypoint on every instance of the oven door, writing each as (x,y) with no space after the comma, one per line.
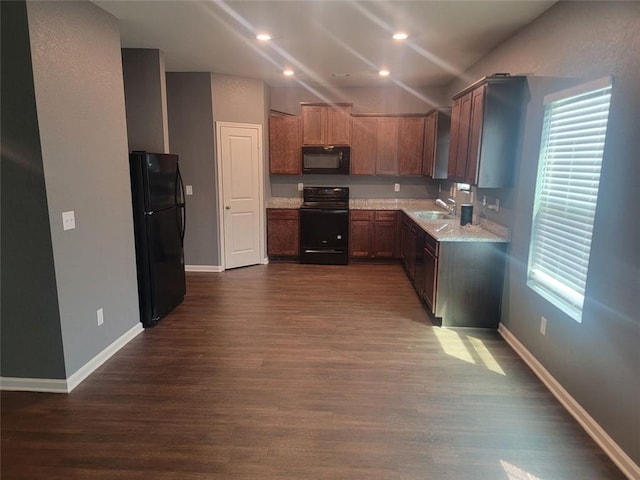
(324,236)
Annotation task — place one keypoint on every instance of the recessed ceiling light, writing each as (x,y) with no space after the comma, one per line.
(263,37)
(383,73)
(288,72)
(400,36)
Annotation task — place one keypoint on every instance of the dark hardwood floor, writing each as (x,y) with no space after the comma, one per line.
(291,371)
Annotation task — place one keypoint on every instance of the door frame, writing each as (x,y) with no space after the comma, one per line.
(219,184)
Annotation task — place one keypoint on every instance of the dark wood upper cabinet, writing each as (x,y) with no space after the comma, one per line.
(387,145)
(324,124)
(486,122)
(284,144)
(436,143)
(387,154)
(364,146)
(410,145)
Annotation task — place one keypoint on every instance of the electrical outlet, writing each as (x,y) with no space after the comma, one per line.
(188,189)
(100,316)
(543,326)
(68,220)
(300,187)
(396,187)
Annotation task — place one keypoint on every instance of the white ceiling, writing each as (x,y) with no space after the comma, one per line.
(318,38)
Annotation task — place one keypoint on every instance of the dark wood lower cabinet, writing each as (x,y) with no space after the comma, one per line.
(283,232)
(463,284)
(459,282)
(373,234)
(361,234)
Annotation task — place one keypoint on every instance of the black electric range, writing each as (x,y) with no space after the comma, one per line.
(324,225)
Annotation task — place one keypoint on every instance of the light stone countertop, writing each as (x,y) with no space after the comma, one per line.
(443,230)
(450,230)
(284,202)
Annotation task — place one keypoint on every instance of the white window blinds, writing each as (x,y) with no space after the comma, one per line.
(572,145)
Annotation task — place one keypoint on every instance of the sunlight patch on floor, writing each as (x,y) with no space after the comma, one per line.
(485,355)
(452,345)
(515,473)
(467,348)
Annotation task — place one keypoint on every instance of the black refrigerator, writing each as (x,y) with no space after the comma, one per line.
(159,218)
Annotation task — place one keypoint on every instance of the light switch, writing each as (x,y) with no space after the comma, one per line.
(189,189)
(300,187)
(396,187)
(68,220)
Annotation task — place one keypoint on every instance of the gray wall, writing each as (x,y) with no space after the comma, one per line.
(597,361)
(77,70)
(146,99)
(30,328)
(191,131)
(389,100)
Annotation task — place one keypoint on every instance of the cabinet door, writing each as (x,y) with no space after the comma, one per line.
(283,227)
(284,145)
(429,149)
(460,125)
(338,125)
(455,138)
(314,124)
(385,234)
(475,134)
(361,234)
(364,146)
(410,145)
(387,158)
(409,239)
(430,279)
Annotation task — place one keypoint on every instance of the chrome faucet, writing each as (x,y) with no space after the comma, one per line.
(451,209)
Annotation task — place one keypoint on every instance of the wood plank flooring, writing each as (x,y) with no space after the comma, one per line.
(288,371)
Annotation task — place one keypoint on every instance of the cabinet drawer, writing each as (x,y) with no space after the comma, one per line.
(386,215)
(282,214)
(362,215)
(431,244)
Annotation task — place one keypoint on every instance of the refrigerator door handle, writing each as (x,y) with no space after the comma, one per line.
(181,211)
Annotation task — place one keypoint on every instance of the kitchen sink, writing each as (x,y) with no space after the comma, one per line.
(432,215)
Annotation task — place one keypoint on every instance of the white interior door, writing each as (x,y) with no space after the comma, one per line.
(240,160)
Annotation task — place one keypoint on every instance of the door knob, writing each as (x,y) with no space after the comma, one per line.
(228,207)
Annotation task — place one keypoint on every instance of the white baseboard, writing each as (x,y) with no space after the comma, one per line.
(595,431)
(204,268)
(265,261)
(48,385)
(88,368)
(52,385)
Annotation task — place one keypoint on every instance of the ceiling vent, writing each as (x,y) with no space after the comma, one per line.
(340,75)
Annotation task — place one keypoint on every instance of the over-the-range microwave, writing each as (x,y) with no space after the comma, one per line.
(326,160)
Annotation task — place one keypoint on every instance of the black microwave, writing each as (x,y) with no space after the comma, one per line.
(327,160)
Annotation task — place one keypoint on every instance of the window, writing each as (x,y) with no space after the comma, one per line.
(573,136)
